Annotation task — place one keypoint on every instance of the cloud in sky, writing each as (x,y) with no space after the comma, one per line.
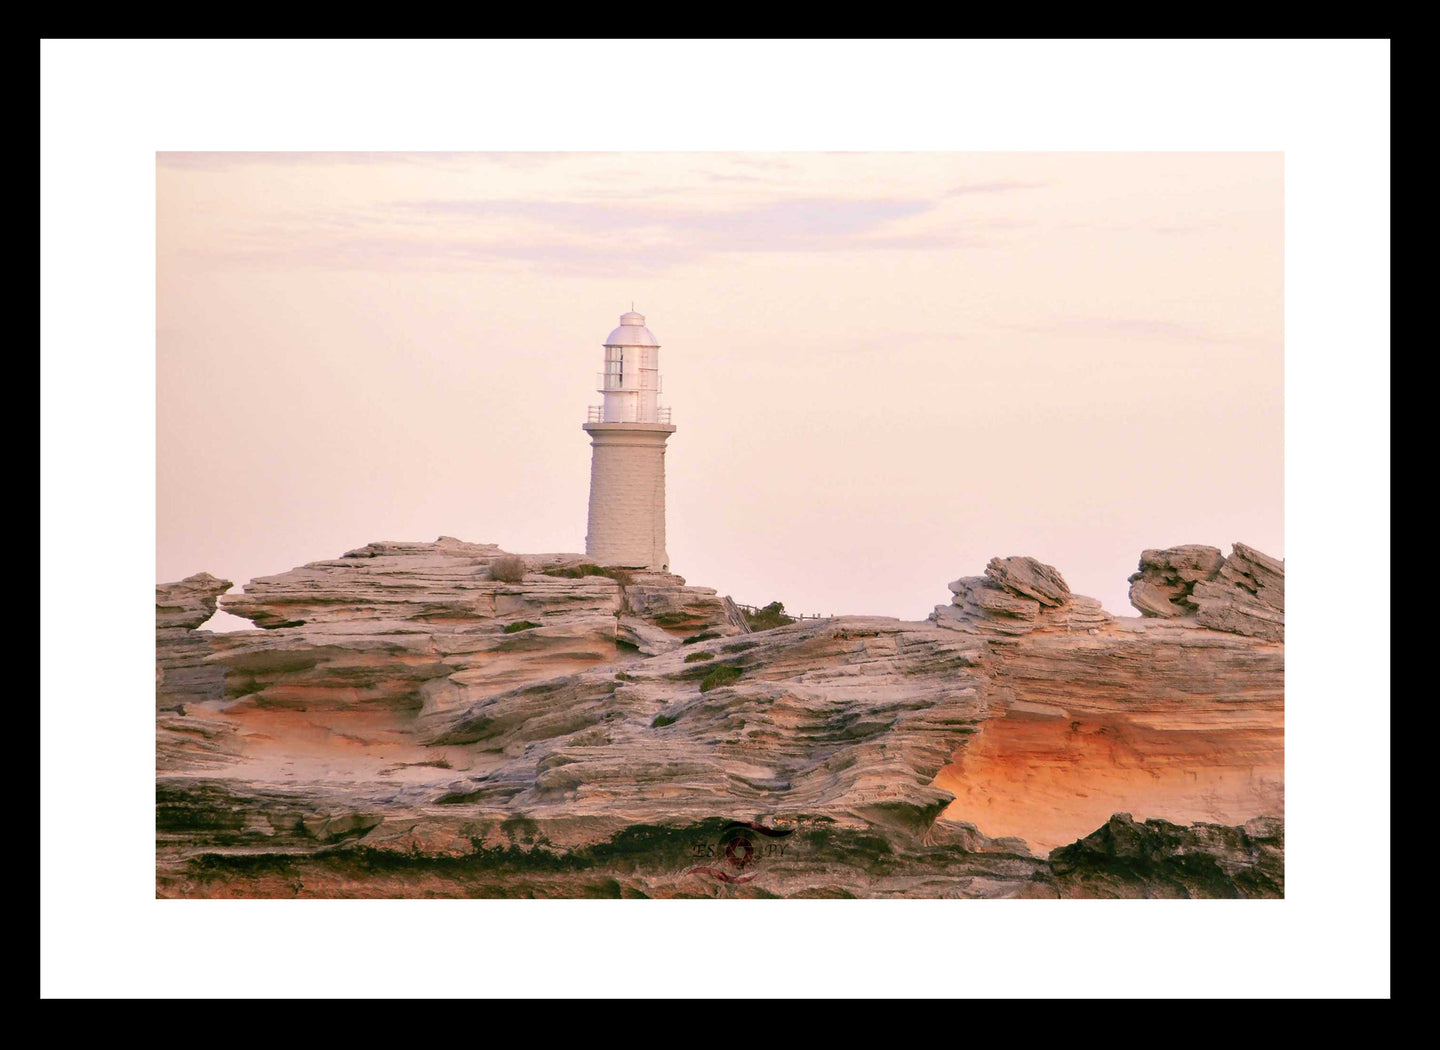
(572,234)
(999,186)
(816,223)
(570,211)
(222,159)
(1134,327)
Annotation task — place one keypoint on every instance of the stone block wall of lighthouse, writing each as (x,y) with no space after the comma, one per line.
(627,494)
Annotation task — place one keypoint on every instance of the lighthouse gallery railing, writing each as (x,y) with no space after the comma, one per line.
(596,414)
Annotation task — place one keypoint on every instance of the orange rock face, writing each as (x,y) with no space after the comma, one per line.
(1161,716)
(1051,778)
(1148,717)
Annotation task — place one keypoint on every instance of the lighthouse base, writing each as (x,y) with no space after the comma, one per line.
(627,495)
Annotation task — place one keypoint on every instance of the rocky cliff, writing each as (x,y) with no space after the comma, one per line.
(405,722)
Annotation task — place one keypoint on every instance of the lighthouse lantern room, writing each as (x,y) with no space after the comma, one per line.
(630,383)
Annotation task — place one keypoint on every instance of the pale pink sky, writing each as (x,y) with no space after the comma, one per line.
(884,368)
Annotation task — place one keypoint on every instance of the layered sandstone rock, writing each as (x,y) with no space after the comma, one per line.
(1167,578)
(182,672)
(1092,715)
(411,626)
(189,603)
(1242,594)
(1029,579)
(1246,597)
(1017,596)
(408,725)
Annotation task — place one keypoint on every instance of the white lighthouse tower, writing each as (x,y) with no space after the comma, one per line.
(627,464)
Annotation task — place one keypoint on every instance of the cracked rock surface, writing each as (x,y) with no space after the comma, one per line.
(401,723)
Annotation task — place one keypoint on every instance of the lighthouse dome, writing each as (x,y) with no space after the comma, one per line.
(632,332)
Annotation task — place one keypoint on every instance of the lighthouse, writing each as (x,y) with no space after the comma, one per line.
(627,462)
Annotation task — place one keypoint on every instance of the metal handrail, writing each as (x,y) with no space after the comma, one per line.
(793,616)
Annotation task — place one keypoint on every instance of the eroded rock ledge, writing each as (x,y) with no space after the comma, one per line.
(1243,594)
(405,723)
(1017,596)
(182,673)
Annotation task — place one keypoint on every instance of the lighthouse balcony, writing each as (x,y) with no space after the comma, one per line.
(596,414)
